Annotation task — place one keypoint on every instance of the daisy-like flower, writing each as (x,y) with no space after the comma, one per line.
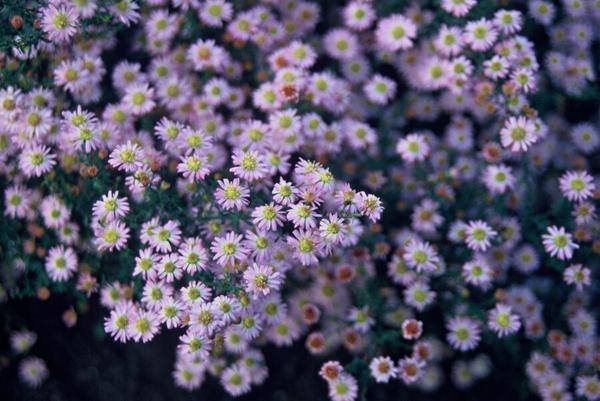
(22,341)
(477,272)
(33,371)
(36,160)
(59,22)
(118,324)
(410,369)
(498,178)
(421,256)
(343,388)
(518,134)
(126,11)
(192,256)
(17,200)
(110,207)
(166,237)
(232,194)
(380,90)
(463,333)
(577,185)
(419,296)
(303,216)
(139,98)
(508,21)
(236,380)
(61,263)
(332,229)
(127,157)
(306,246)
(559,243)
(228,249)
(215,12)
(478,235)
(284,193)
(341,44)
(382,369)
(458,8)
(145,264)
(112,237)
(395,32)
(168,269)
(195,293)
(268,217)
(413,148)
(588,387)
(584,213)
(194,167)
(480,35)
(171,312)
(578,276)
(502,321)
(260,280)
(144,325)
(358,15)
(449,41)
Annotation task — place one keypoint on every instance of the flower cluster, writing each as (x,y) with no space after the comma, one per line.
(219,169)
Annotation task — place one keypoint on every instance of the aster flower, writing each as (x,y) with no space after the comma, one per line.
(268,217)
(232,194)
(33,371)
(421,256)
(118,324)
(36,160)
(577,275)
(144,325)
(463,333)
(478,235)
(166,237)
(410,369)
(236,380)
(127,157)
(306,246)
(112,237)
(413,148)
(577,185)
(228,248)
(458,8)
(480,35)
(395,32)
(502,321)
(559,243)
(260,280)
(111,207)
(61,263)
(59,22)
(382,369)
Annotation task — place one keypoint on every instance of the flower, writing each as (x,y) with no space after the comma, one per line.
(36,160)
(260,280)
(559,243)
(518,134)
(502,321)
(577,186)
(382,369)
(33,371)
(463,333)
(395,32)
(110,207)
(61,263)
(413,148)
(478,235)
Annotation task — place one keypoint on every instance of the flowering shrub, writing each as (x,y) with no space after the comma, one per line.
(219,170)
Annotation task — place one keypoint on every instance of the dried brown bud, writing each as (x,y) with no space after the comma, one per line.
(16,22)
